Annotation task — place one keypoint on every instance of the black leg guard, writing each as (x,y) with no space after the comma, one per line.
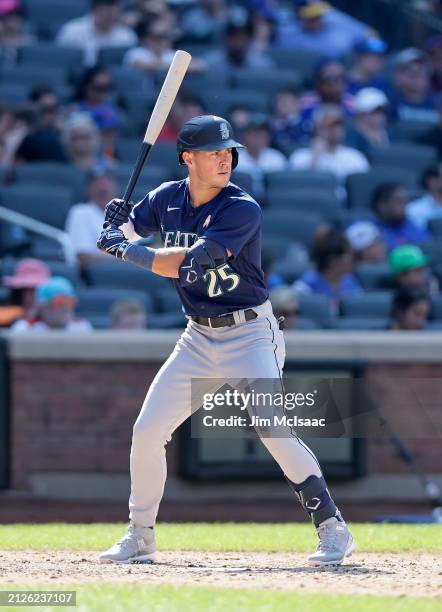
(315,499)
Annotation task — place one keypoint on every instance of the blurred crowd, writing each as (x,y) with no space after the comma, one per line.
(344,153)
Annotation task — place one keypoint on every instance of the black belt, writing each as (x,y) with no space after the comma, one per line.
(226,320)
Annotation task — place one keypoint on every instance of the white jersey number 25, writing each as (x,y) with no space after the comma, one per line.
(218,278)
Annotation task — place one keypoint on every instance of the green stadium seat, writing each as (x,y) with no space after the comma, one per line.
(221,102)
(47,16)
(99,300)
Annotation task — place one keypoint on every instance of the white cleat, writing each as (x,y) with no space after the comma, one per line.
(137,546)
(335,543)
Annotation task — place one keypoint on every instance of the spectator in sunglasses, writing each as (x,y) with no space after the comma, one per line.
(56,301)
(43,143)
(94,97)
(330,87)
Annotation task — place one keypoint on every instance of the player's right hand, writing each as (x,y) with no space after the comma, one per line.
(117,211)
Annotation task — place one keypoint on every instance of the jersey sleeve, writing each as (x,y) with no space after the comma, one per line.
(145,215)
(235,226)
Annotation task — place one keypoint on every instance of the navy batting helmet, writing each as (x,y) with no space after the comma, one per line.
(207,133)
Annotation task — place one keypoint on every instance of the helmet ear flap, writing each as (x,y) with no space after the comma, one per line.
(234,158)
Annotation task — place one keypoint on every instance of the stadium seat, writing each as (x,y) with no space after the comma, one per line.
(433,250)
(374,277)
(47,204)
(167,320)
(128,81)
(436,307)
(275,245)
(316,307)
(50,54)
(374,304)
(125,276)
(305,324)
(112,56)
(222,102)
(138,108)
(47,16)
(27,75)
(324,203)
(150,177)
(271,80)
(168,301)
(410,131)
(99,300)
(360,186)
(301,60)
(295,225)
(404,156)
(243,180)
(435,227)
(300,179)
(14,93)
(53,174)
(361,323)
(163,156)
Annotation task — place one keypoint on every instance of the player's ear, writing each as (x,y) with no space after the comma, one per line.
(187,158)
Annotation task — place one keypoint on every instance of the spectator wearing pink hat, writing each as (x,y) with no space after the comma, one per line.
(29,274)
(12,31)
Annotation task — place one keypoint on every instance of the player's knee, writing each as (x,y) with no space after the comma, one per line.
(149,431)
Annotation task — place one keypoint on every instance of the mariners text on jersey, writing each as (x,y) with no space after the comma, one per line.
(233,219)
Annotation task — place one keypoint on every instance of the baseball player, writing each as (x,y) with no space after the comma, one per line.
(211,231)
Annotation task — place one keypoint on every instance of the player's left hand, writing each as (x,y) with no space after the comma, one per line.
(112,240)
(117,211)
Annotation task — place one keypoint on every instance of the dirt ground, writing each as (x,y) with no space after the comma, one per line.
(406,575)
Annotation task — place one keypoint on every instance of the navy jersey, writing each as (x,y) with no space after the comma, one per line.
(232,219)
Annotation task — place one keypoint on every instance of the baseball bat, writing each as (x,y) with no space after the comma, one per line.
(166,98)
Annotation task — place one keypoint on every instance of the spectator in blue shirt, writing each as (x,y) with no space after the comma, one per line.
(389,207)
(429,206)
(286,125)
(330,88)
(368,65)
(316,26)
(411,98)
(333,274)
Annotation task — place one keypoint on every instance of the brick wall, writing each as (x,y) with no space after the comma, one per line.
(72,416)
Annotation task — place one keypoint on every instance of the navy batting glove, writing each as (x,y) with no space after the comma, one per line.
(117,212)
(112,241)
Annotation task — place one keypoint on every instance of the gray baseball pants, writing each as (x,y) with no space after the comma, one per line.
(251,349)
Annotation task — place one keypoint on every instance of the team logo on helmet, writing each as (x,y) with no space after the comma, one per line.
(224,129)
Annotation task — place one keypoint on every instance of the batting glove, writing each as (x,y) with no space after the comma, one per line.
(112,241)
(117,212)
